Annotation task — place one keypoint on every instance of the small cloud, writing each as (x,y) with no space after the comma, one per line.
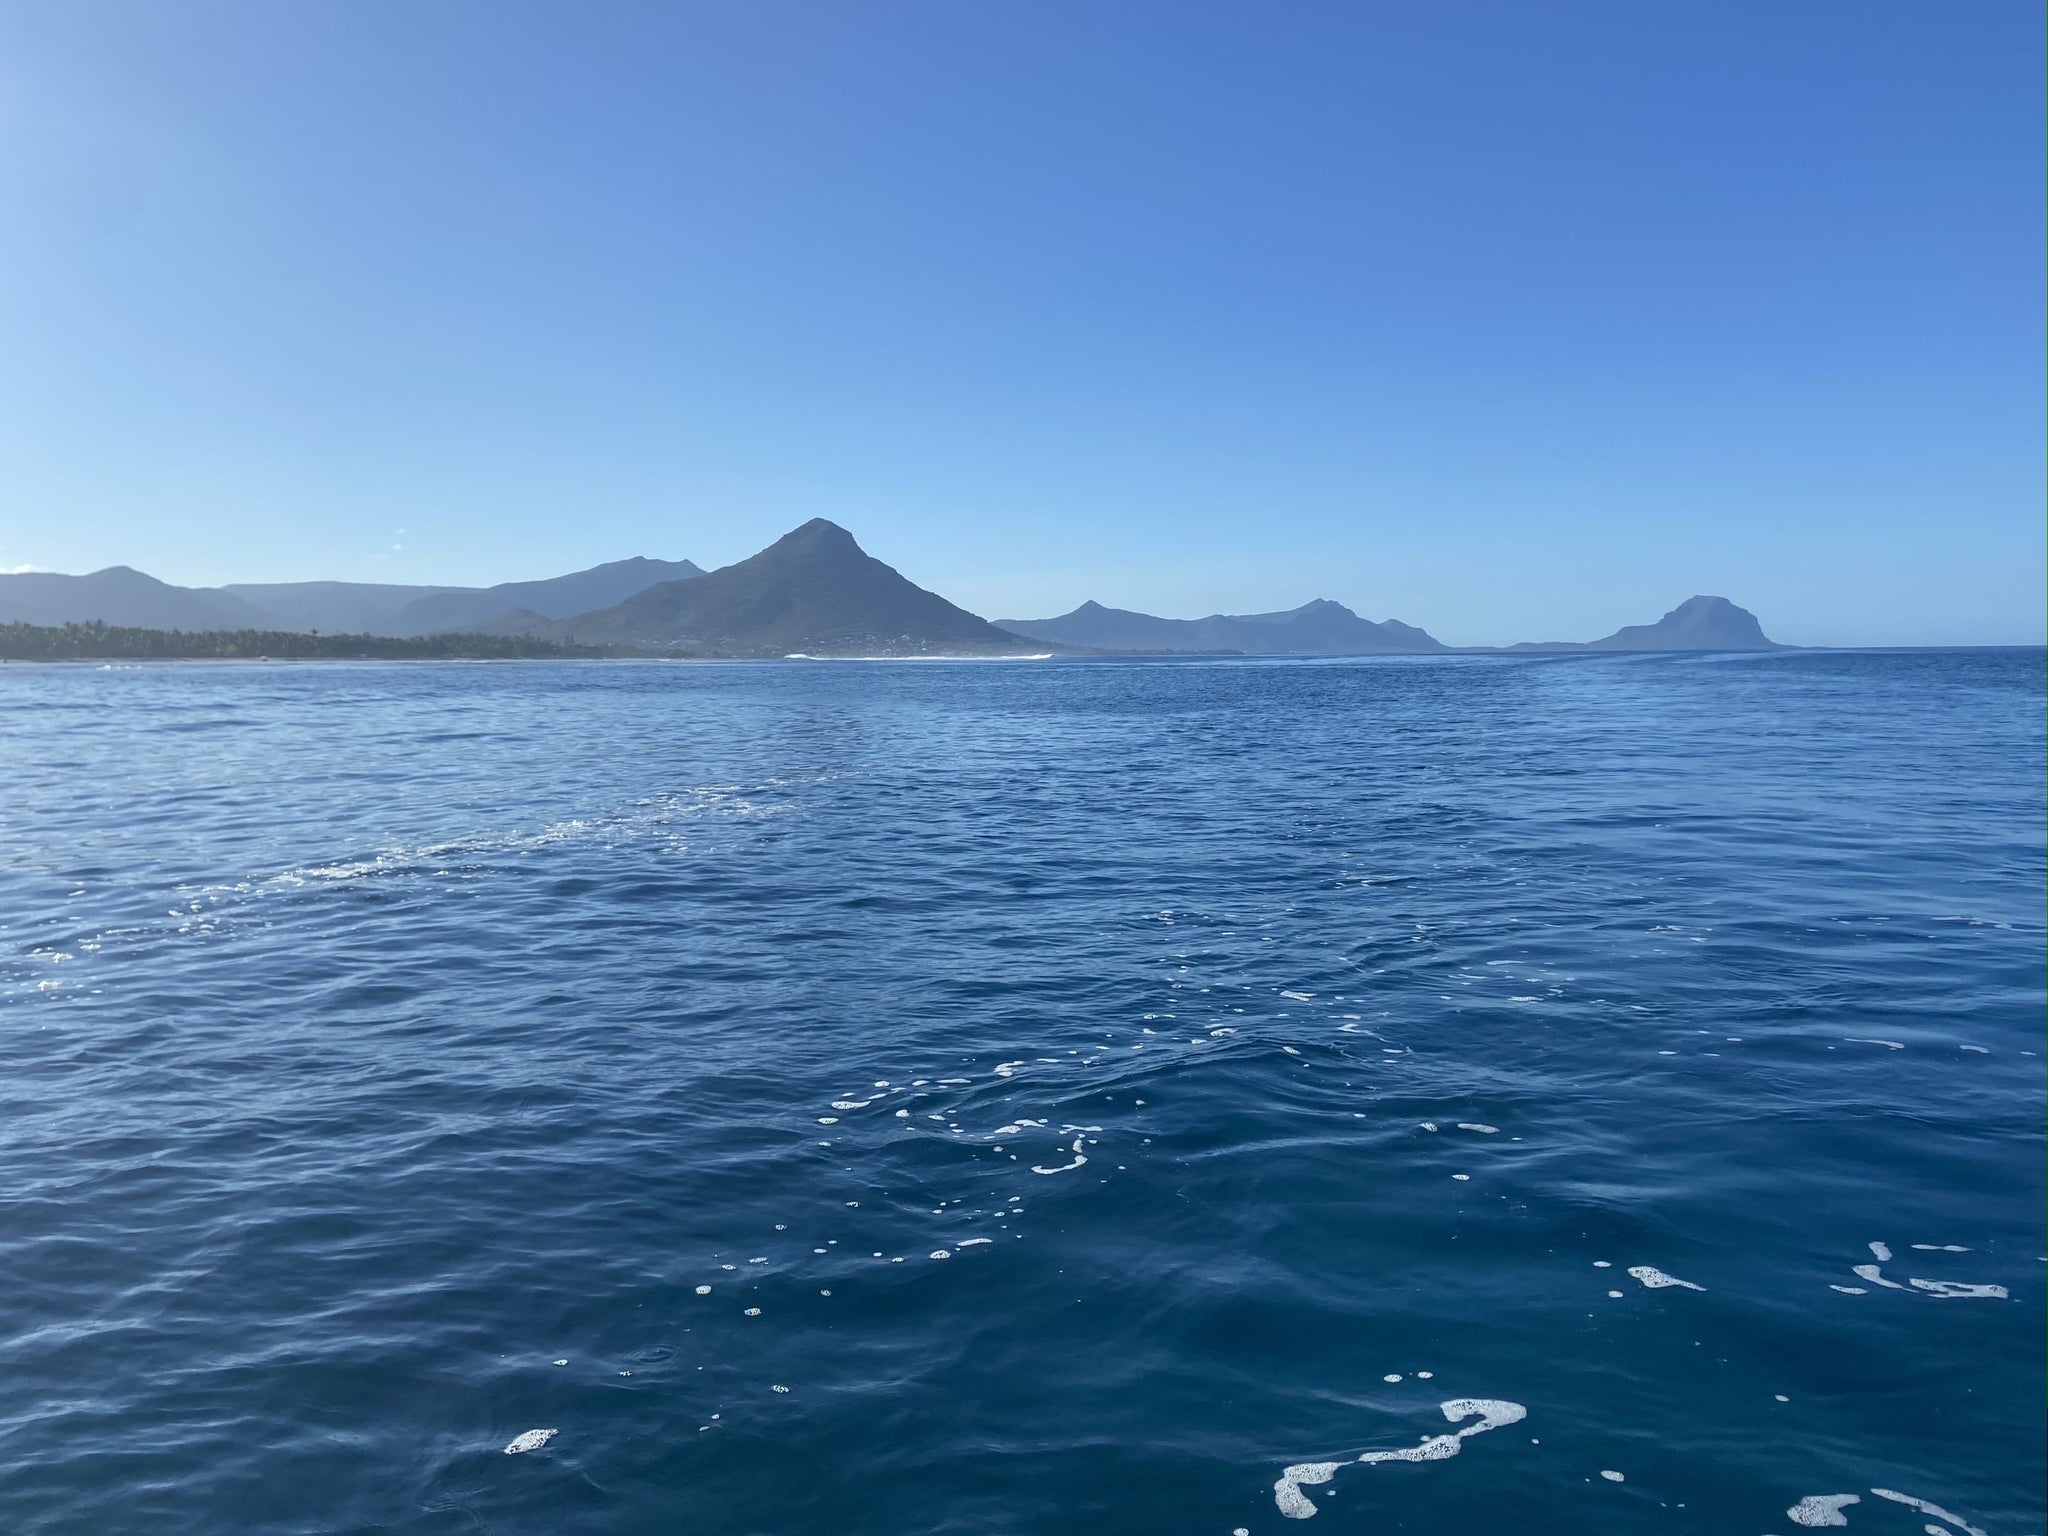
(18,570)
(396,548)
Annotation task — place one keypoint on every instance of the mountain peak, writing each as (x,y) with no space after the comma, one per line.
(1698,624)
(820,534)
(813,591)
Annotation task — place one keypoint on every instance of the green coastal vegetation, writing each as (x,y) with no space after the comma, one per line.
(114,642)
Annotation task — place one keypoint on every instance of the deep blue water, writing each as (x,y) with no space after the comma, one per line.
(394,1052)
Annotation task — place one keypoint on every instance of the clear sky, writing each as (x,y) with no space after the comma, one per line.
(1513,320)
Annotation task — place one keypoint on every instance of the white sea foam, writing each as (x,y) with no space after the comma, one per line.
(1926,1508)
(1293,1503)
(1822,1509)
(1080,1157)
(1881,1252)
(1484,1130)
(531,1440)
(1491,1413)
(1657,1280)
(1957,1288)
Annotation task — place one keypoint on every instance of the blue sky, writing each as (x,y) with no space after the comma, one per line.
(1510,320)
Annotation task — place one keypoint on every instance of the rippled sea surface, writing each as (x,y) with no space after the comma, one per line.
(1055,1097)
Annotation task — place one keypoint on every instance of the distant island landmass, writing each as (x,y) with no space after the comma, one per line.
(1697,624)
(813,592)
(1322,628)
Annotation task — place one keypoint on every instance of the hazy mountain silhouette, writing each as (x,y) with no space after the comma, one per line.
(559,597)
(1697,624)
(1319,628)
(513,621)
(333,607)
(374,608)
(124,596)
(814,591)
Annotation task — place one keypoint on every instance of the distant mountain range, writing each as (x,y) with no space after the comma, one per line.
(1320,628)
(119,595)
(122,596)
(813,592)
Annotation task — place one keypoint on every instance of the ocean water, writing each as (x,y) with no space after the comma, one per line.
(1041,1097)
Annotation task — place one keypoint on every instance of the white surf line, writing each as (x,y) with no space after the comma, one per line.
(1656,1280)
(1926,1508)
(1492,1413)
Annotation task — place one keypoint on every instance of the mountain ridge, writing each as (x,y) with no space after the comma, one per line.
(1320,626)
(814,591)
(122,596)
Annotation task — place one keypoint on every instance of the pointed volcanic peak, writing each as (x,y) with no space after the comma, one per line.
(813,592)
(1318,628)
(1697,624)
(123,596)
